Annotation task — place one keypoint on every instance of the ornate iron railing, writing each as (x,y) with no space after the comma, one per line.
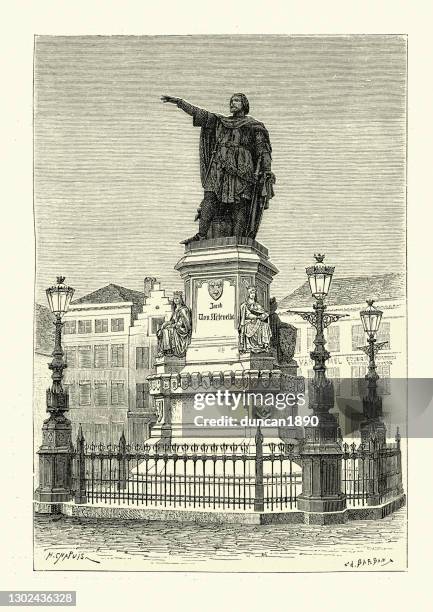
(371,472)
(261,476)
(211,476)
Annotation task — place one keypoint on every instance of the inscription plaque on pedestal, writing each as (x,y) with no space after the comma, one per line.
(215,317)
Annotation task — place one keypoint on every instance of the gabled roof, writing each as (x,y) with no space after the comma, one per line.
(44,330)
(111,294)
(352,290)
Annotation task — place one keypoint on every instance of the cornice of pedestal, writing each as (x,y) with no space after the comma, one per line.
(202,382)
(218,256)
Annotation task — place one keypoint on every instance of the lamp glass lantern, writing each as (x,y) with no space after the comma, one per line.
(59,297)
(320,277)
(371,318)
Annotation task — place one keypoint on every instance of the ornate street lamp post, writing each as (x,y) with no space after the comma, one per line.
(55,452)
(321,452)
(372,402)
(321,392)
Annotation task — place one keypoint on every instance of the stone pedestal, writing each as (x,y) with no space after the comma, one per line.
(216,274)
(321,464)
(55,460)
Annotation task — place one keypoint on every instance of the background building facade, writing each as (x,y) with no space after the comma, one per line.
(109,339)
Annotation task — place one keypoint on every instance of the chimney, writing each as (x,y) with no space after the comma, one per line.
(149,281)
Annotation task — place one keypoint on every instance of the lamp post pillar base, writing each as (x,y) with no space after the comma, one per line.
(55,460)
(321,470)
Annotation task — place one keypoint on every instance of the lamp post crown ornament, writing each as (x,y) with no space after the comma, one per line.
(319,267)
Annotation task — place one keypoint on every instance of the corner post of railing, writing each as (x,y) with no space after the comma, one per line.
(122,462)
(259,498)
(80,493)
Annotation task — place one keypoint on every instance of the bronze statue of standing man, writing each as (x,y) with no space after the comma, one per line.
(235,168)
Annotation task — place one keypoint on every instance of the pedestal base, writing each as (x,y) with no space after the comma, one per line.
(335,503)
(55,460)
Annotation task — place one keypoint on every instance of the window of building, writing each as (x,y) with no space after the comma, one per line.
(84,356)
(71,356)
(333,338)
(117,355)
(101,326)
(142,395)
(156,324)
(334,375)
(298,346)
(84,393)
(101,394)
(84,327)
(117,325)
(311,332)
(117,393)
(358,337)
(383,335)
(142,357)
(70,327)
(71,390)
(101,356)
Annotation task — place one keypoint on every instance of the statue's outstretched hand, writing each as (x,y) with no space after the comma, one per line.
(170,99)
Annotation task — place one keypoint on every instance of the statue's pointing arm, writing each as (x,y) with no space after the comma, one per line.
(201,117)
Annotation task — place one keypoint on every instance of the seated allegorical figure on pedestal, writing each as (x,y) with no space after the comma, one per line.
(174,336)
(254,329)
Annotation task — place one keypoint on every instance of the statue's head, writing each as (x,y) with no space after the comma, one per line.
(239,103)
(252,292)
(178,298)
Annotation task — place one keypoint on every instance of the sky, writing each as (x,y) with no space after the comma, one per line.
(116,171)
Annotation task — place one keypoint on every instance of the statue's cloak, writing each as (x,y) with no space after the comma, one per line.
(208,137)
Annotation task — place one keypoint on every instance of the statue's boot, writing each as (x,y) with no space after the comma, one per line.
(193,239)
